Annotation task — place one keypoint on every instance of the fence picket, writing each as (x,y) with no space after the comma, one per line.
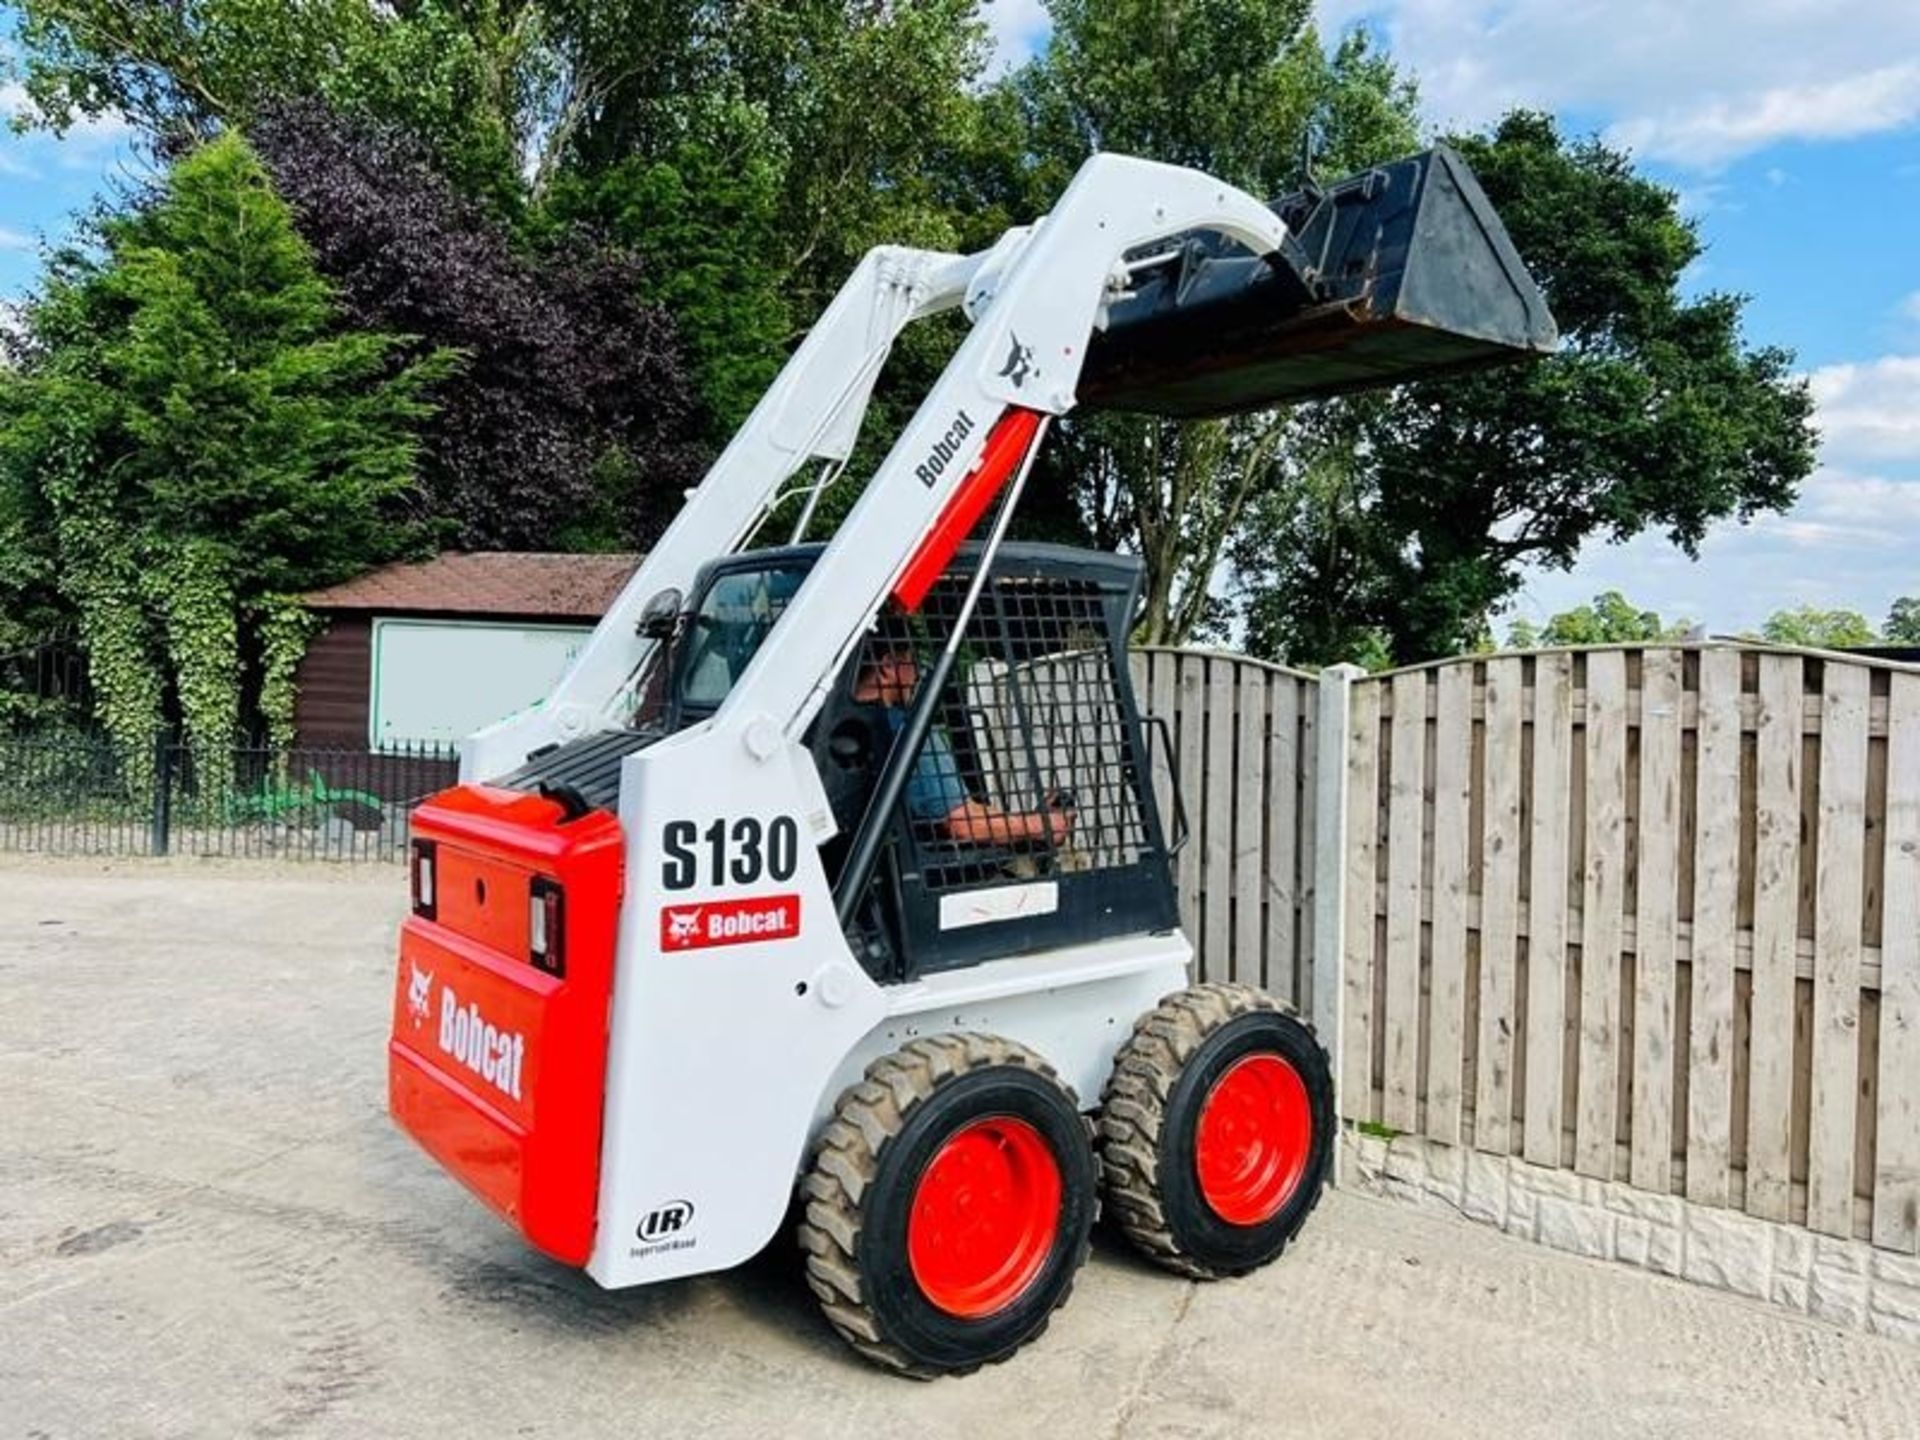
(1547,907)
(1603,890)
(1716,872)
(1656,890)
(1281,881)
(1363,831)
(1252,805)
(1217,960)
(1406,823)
(1447,970)
(1190,676)
(1776,916)
(1153,676)
(1838,898)
(1500,849)
(1302,837)
(1896,1180)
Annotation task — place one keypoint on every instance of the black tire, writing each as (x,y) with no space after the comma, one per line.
(867,1167)
(1150,1120)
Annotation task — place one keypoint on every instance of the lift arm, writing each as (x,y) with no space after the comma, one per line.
(1034,298)
(812,411)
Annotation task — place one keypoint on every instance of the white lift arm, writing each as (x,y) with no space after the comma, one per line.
(1035,298)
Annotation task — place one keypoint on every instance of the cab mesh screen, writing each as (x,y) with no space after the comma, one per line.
(1029,769)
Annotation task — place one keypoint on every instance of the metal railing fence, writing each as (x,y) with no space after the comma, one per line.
(83,795)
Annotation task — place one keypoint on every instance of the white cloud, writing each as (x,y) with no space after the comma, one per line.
(1871,410)
(1910,307)
(1848,543)
(1712,132)
(1697,83)
(11,239)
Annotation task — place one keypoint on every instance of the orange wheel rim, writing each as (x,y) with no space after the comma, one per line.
(1254,1136)
(985,1216)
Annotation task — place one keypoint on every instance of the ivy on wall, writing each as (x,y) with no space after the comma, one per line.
(203,438)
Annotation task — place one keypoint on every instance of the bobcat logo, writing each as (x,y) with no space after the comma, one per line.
(683,925)
(1019,362)
(419,1003)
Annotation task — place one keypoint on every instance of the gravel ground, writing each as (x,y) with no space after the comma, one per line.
(208,1228)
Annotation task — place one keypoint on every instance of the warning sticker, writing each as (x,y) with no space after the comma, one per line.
(729,922)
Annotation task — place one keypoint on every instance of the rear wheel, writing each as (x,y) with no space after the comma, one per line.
(948,1204)
(1216,1130)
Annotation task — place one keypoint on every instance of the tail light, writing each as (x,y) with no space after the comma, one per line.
(423,879)
(546,926)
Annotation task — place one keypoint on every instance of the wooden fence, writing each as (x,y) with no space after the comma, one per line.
(1242,736)
(1648,914)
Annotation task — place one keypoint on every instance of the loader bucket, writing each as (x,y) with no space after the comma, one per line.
(1400,273)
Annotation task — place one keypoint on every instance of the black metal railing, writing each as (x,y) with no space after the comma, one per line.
(83,795)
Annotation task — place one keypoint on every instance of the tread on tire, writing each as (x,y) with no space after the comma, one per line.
(857,1186)
(1149,1114)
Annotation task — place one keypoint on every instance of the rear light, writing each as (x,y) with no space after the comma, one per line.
(546,926)
(423,879)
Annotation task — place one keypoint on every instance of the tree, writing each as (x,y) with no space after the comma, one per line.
(1655,414)
(570,423)
(757,152)
(469,79)
(196,437)
(1230,89)
(1610,620)
(1818,629)
(1903,622)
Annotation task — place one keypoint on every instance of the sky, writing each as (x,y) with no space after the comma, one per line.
(1790,128)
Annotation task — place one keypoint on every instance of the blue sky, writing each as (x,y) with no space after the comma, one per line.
(1791,129)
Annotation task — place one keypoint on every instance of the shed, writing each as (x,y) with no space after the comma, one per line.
(422,653)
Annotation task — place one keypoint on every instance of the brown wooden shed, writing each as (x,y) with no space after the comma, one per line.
(495,595)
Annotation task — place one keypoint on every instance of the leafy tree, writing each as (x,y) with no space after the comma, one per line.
(1903,622)
(758,151)
(570,424)
(193,437)
(713,216)
(1610,620)
(1230,89)
(1818,629)
(33,619)
(468,77)
(1654,415)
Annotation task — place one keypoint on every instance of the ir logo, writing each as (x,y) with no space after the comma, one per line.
(673,1218)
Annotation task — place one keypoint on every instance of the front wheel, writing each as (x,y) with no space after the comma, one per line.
(948,1205)
(1216,1130)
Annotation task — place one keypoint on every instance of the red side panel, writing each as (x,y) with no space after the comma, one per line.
(496,1067)
(1006,447)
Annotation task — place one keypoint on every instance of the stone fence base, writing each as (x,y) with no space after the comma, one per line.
(1847,1282)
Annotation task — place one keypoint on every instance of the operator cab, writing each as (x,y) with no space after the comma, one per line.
(1031,795)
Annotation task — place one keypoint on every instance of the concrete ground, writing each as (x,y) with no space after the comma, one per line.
(208,1228)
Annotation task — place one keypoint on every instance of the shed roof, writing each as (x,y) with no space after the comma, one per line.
(486,582)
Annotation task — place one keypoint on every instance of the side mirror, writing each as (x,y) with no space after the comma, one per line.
(659,616)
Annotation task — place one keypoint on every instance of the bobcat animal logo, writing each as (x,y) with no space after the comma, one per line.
(1019,362)
(419,988)
(682,925)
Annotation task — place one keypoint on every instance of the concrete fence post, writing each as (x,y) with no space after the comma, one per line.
(1330,868)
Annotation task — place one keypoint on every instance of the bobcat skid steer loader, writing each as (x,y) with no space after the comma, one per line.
(834,874)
